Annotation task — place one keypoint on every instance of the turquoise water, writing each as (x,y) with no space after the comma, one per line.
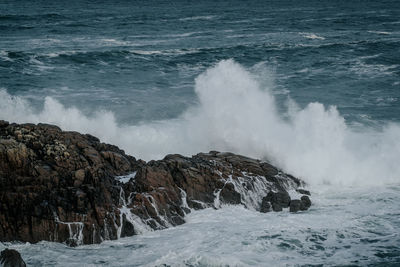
(312,86)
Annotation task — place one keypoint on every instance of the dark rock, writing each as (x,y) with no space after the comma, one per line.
(11,258)
(49,177)
(265,205)
(277,207)
(279,199)
(3,123)
(177,220)
(72,242)
(303,191)
(228,195)
(127,227)
(303,204)
(196,204)
(295,205)
(60,186)
(306,202)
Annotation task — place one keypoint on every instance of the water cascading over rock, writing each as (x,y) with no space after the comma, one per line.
(68,187)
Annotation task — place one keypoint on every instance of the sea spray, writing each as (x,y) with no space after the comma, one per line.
(234,113)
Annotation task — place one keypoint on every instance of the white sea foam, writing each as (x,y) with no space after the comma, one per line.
(341,228)
(313,36)
(60,53)
(235,114)
(113,42)
(147,52)
(186,34)
(167,52)
(125,178)
(361,68)
(380,32)
(4,56)
(198,18)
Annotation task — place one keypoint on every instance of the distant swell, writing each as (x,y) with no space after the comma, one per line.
(235,114)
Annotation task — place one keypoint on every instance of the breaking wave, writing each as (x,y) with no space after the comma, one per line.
(235,113)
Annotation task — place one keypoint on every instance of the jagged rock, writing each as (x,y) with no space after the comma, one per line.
(11,257)
(51,181)
(62,186)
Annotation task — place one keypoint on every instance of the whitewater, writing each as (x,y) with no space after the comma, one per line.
(352,227)
(311,87)
(353,175)
(234,113)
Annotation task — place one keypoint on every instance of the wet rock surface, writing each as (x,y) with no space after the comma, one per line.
(278,200)
(58,186)
(69,187)
(304,203)
(11,258)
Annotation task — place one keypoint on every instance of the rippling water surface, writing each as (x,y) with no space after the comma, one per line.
(139,58)
(312,86)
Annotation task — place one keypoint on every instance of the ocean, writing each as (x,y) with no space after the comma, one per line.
(311,86)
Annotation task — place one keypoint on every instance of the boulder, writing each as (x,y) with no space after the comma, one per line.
(278,200)
(295,205)
(306,202)
(11,258)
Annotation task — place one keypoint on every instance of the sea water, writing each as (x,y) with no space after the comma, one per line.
(311,86)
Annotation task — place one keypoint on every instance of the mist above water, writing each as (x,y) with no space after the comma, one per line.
(235,113)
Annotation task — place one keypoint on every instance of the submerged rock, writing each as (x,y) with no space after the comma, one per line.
(11,258)
(66,187)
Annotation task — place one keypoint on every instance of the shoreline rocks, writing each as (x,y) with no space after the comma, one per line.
(68,187)
(11,258)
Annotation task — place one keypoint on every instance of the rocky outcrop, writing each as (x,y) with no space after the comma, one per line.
(11,258)
(68,187)
(58,186)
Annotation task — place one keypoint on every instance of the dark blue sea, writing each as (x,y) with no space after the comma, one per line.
(311,86)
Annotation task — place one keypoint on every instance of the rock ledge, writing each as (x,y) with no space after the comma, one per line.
(68,187)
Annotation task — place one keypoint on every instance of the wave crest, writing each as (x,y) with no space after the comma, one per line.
(235,114)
